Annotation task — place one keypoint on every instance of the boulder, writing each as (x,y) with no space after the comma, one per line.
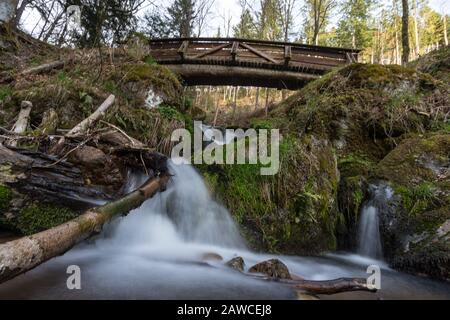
(236,263)
(273,268)
(211,256)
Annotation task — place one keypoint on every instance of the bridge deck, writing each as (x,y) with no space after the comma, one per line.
(231,61)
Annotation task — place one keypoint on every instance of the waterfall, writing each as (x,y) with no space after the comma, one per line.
(369,239)
(185,213)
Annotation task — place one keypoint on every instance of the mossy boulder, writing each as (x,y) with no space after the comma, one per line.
(436,63)
(293,211)
(417,237)
(362,108)
(137,80)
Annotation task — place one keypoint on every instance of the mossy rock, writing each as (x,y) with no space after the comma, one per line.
(417,159)
(293,211)
(436,63)
(417,170)
(137,79)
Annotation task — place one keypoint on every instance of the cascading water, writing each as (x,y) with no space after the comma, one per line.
(184,213)
(163,250)
(369,239)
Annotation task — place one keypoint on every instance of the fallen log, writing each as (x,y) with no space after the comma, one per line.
(43,68)
(84,125)
(24,254)
(333,286)
(87,123)
(23,119)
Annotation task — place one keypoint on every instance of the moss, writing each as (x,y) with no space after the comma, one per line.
(5,198)
(436,63)
(37,217)
(418,199)
(412,161)
(354,164)
(293,211)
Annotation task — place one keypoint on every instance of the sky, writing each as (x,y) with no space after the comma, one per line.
(230,9)
(225,8)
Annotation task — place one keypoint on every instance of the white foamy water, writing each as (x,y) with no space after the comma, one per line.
(159,252)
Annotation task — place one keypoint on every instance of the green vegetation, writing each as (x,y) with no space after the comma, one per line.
(5,198)
(35,218)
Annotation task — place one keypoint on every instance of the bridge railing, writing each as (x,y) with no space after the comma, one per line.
(253,53)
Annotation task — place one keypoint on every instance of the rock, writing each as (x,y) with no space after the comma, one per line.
(273,268)
(88,156)
(49,122)
(211,256)
(301,295)
(236,263)
(198,113)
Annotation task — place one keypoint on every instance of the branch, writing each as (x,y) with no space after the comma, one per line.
(24,254)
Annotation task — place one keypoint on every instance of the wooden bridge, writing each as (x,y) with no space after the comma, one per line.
(240,62)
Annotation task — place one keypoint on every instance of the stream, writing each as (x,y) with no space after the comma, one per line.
(167,249)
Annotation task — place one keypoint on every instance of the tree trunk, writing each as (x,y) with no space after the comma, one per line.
(26,253)
(23,119)
(257,99)
(405,35)
(8,11)
(416,29)
(266,107)
(445,30)
(84,125)
(333,286)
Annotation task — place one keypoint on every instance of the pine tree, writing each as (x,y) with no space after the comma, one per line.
(181,17)
(353,29)
(246,26)
(270,23)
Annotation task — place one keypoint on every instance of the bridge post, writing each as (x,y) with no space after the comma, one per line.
(183,49)
(234,50)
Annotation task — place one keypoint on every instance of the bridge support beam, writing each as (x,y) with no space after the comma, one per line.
(240,76)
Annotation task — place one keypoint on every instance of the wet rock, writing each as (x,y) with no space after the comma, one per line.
(273,268)
(236,263)
(211,256)
(88,156)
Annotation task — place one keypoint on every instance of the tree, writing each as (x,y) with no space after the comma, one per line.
(105,21)
(8,10)
(287,8)
(203,11)
(270,24)
(155,24)
(318,14)
(181,18)
(353,29)
(405,32)
(246,28)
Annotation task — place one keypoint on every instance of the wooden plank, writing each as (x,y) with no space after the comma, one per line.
(183,48)
(287,54)
(258,53)
(211,51)
(234,50)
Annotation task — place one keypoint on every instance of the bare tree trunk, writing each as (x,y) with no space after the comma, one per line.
(235,102)
(405,28)
(257,99)
(416,29)
(266,107)
(84,125)
(23,119)
(217,109)
(445,30)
